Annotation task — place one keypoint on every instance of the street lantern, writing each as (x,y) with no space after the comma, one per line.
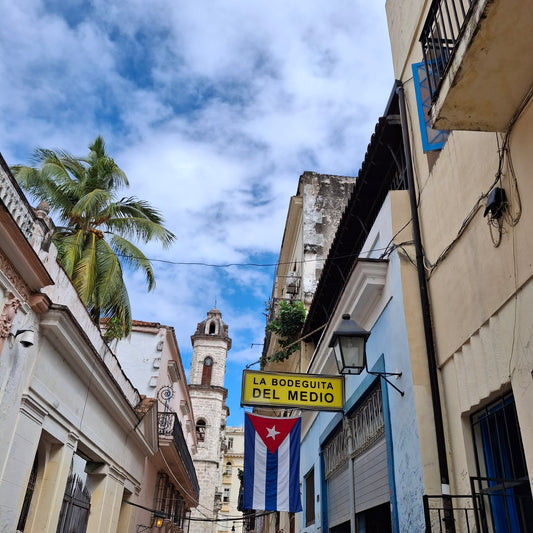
(349,346)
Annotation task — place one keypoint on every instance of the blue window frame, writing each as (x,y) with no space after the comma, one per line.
(504,482)
(432,139)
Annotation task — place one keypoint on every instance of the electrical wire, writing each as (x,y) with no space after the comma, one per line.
(230,265)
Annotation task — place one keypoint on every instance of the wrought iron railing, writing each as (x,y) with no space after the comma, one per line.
(504,504)
(447,514)
(170,425)
(442,30)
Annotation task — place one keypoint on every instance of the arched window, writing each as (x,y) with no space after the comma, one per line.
(200,430)
(228,469)
(207,370)
(212,328)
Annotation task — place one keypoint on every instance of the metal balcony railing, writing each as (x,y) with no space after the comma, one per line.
(442,30)
(505,505)
(170,425)
(449,514)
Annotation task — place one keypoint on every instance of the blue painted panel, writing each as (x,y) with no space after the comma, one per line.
(432,139)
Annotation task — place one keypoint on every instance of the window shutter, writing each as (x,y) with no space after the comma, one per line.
(432,139)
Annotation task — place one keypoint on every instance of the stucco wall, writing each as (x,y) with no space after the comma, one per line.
(480,290)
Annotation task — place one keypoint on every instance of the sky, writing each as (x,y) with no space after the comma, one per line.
(213,108)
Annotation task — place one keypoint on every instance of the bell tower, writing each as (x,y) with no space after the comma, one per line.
(210,345)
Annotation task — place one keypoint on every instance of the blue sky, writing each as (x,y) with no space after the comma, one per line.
(213,109)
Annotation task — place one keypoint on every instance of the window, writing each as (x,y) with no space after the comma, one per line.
(76,506)
(503,483)
(200,430)
(230,443)
(27,498)
(226,495)
(212,328)
(206,371)
(227,472)
(169,500)
(310,497)
(431,139)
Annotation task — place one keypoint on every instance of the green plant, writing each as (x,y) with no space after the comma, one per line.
(286,325)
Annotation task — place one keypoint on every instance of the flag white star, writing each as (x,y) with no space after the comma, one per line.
(272,432)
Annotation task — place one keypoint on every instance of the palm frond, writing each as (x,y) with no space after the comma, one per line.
(90,206)
(86,268)
(129,254)
(110,298)
(140,229)
(103,171)
(69,249)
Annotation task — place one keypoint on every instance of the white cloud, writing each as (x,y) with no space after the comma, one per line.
(213,109)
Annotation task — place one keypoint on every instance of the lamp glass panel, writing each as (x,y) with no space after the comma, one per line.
(338,356)
(353,352)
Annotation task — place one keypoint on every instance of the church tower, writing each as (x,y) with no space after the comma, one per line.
(210,344)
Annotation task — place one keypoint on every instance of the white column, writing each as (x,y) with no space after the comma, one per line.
(50,488)
(18,462)
(107,487)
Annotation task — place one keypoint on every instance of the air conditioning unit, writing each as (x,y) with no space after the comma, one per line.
(293,285)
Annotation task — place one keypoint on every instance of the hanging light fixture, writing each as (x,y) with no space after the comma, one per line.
(349,346)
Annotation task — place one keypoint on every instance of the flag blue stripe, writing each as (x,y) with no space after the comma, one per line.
(295,504)
(271,489)
(249,460)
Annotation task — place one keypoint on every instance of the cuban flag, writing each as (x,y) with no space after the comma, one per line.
(271,479)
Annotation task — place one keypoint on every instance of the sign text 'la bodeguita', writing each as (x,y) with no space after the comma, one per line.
(306,391)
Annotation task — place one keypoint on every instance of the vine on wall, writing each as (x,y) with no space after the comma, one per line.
(287,325)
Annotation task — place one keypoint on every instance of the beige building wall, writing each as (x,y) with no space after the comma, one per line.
(233,462)
(479,275)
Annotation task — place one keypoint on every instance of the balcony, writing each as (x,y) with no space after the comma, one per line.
(174,449)
(478,61)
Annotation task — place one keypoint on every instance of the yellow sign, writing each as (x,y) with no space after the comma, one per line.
(303,391)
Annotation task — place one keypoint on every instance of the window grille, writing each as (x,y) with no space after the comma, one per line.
(335,452)
(502,483)
(367,425)
(27,498)
(76,506)
(169,501)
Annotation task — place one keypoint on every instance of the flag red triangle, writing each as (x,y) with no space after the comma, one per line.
(273,431)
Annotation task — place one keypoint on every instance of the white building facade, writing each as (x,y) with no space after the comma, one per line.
(74,432)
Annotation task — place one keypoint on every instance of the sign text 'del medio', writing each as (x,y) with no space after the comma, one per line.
(305,391)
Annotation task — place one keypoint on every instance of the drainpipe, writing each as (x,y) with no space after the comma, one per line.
(424,300)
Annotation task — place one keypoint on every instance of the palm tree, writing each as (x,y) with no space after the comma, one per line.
(93,241)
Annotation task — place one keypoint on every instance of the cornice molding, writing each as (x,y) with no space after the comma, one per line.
(360,298)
